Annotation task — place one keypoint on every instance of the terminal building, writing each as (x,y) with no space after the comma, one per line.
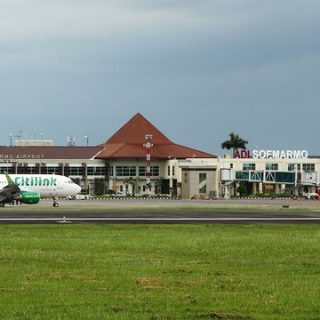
(119,165)
(139,159)
(258,176)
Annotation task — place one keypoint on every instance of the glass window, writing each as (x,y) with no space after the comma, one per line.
(202,183)
(6,169)
(285,177)
(90,171)
(32,170)
(142,171)
(242,175)
(54,170)
(308,167)
(256,175)
(75,171)
(248,166)
(100,171)
(169,171)
(291,167)
(125,171)
(46,170)
(173,173)
(155,171)
(294,166)
(96,171)
(272,166)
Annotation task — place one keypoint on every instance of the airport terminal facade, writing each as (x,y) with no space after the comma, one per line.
(138,159)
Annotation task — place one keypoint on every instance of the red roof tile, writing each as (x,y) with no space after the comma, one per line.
(134,131)
(128,142)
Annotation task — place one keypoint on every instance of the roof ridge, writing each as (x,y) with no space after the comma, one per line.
(130,130)
(129,139)
(134,131)
(180,145)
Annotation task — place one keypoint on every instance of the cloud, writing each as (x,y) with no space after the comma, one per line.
(225,59)
(230,33)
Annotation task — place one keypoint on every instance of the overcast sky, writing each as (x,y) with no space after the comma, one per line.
(197,69)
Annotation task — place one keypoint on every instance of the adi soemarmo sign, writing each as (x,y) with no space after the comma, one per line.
(272,154)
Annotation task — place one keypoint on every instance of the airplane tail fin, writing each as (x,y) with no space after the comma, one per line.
(11,185)
(10,181)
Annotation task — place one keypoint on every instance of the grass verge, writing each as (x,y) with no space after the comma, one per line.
(159,272)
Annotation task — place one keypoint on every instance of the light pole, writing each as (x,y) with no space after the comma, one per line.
(148,145)
(86,138)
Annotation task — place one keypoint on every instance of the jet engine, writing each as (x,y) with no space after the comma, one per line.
(29,197)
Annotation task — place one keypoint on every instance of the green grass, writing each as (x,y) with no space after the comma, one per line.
(159,272)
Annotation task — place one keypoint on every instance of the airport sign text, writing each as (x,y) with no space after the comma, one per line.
(272,154)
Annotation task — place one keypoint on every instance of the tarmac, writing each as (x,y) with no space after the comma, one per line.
(247,211)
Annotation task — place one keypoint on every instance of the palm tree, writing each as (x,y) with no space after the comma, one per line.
(127,181)
(234,142)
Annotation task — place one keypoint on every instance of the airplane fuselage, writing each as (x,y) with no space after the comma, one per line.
(47,185)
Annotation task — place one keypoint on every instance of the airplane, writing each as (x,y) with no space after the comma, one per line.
(29,188)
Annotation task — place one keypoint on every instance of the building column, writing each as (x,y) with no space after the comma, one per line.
(84,175)
(254,188)
(61,168)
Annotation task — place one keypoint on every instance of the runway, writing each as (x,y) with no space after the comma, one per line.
(245,220)
(165,212)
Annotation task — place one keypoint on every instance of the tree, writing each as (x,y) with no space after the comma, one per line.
(234,142)
(127,181)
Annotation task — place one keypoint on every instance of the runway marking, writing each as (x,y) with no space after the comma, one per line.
(156,219)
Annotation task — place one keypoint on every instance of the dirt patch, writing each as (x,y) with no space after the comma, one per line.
(223,316)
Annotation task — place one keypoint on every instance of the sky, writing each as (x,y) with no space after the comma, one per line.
(196,69)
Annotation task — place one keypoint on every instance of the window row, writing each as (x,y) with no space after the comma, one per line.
(252,166)
(131,171)
(72,171)
(307,167)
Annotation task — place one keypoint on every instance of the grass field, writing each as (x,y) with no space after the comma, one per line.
(159,272)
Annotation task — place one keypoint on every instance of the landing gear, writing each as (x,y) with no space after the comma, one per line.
(55,203)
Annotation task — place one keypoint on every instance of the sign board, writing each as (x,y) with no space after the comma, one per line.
(272,154)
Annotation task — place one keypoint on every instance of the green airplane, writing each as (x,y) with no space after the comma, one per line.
(30,189)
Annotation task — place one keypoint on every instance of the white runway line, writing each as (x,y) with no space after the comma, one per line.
(154,219)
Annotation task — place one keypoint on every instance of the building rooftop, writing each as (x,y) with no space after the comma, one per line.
(128,142)
(48,152)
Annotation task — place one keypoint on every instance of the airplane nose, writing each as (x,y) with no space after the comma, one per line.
(77,188)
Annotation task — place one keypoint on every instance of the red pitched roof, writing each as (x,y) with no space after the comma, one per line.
(128,142)
(134,131)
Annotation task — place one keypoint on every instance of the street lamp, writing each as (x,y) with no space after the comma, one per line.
(86,138)
(10,138)
(148,145)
